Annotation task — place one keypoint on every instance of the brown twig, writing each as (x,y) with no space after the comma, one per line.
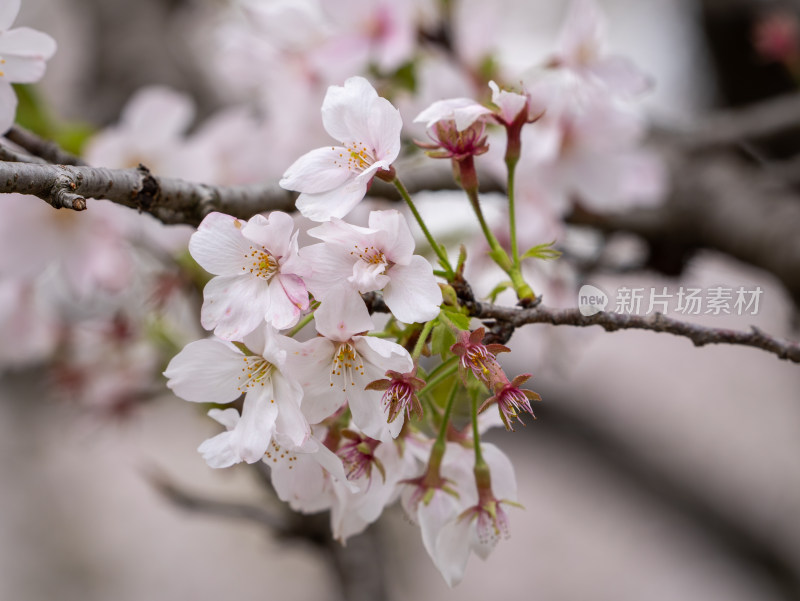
(39,147)
(168,199)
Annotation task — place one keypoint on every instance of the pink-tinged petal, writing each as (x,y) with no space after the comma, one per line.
(320,170)
(413,296)
(621,75)
(509,103)
(345,109)
(452,549)
(464,111)
(234,306)
(342,314)
(273,233)
(158,112)
(395,238)
(8,13)
(342,233)
(583,33)
(383,353)
(8,106)
(26,42)
(255,428)
(330,266)
(368,277)
(334,203)
(205,371)
(288,300)
(220,451)
(504,481)
(219,247)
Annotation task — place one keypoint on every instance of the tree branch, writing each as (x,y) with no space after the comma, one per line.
(39,147)
(168,199)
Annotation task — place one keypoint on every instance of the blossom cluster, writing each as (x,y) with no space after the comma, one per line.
(357,411)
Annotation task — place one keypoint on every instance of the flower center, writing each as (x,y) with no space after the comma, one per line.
(370,255)
(256,372)
(261,264)
(357,158)
(346,365)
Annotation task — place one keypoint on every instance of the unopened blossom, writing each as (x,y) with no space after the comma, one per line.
(483,522)
(511,400)
(336,368)
(354,260)
(257,269)
(23,54)
(334,179)
(400,393)
(478,358)
(456,127)
(215,371)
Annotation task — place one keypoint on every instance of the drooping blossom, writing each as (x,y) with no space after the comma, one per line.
(256,267)
(511,400)
(400,393)
(23,54)
(354,260)
(478,358)
(336,368)
(334,179)
(483,521)
(215,371)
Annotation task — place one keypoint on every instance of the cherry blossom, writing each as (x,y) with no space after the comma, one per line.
(214,371)
(257,267)
(400,393)
(23,53)
(479,527)
(332,180)
(336,368)
(456,128)
(353,260)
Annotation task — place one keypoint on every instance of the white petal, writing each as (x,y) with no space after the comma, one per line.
(290,422)
(384,353)
(432,517)
(159,112)
(395,238)
(255,428)
(234,306)
(273,233)
(345,108)
(342,314)
(504,482)
(413,294)
(8,13)
(220,451)
(583,33)
(26,42)
(227,417)
(337,202)
(319,170)
(330,266)
(509,103)
(8,106)
(288,300)
(219,247)
(310,365)
(205,371)
(452,549)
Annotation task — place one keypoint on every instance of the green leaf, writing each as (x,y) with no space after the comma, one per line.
(499,288)
(442,339)
(542,251)
(459,320)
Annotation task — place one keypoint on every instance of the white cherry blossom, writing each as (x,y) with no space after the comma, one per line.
(334,179)
(335,369)
(257,271)
(353,260)
(23,53)
(214,371)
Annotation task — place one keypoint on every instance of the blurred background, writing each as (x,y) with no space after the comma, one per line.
(655,470)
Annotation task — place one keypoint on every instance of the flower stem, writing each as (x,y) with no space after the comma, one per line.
(511,165)
(476,436)
(436,248)
(303,322)
(440,374)
(423,336)
(432,476)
